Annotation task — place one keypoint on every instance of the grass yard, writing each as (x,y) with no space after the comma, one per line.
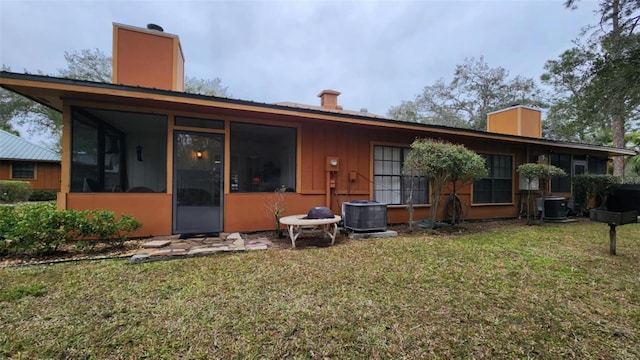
(542,292)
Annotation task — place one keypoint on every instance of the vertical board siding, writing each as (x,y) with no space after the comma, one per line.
(47,175)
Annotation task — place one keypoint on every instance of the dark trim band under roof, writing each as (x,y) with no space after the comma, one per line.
(334,113)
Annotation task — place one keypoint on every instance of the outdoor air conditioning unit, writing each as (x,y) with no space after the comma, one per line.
(364,215)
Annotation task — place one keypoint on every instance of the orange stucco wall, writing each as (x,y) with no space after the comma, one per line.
(152,210)
(250,212)
(504,122)
(47,175)
(516,121)
(147,58)
(530,123)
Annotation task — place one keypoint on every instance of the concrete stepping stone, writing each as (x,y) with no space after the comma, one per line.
(156,244)
(166,252)
(207,250)
(181,245)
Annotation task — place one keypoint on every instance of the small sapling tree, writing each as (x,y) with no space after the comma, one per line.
(441,162)
(276,207)
(542,172)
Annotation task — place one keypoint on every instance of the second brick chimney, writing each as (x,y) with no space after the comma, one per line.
(329,99)
(516,120)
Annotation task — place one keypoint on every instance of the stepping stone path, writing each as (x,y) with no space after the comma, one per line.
(172,247)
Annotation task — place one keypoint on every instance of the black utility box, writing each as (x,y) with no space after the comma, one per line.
(625,197)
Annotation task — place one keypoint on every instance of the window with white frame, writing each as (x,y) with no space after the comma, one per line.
(23,170)
(390,186)
(497,186)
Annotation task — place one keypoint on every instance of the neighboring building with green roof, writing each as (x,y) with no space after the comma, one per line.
(25,161)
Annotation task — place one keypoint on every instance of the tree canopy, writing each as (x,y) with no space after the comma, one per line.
(597,82)
(475,91)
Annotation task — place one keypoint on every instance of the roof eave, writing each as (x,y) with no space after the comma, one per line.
(12,81)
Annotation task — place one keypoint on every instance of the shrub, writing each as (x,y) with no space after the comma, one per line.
(41,228)
(7,224)
(595,187)
(43,195)
(102,224)
(14,191)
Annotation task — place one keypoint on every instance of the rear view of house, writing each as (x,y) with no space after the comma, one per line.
(184,163)
(21,160)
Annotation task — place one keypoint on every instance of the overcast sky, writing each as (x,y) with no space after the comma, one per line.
(377,53)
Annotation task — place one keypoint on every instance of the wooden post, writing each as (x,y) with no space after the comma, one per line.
(612,239)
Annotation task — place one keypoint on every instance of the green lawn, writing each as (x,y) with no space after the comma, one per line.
(516,292)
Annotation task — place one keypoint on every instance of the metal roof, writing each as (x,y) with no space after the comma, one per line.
(13,147)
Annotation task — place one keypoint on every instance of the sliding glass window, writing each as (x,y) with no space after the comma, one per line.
(263,158)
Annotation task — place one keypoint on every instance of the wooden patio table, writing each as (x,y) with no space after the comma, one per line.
(296,224)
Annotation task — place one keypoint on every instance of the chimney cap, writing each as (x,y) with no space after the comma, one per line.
(155,27)
(328,92)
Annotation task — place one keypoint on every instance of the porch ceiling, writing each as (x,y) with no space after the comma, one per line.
(51,92)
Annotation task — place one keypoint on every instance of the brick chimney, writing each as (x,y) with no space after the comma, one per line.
(516,120)
(147,58)
(329,99)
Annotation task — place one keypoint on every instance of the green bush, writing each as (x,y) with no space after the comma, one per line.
(595,186)
(43,195)
(102,224)
(41,228)
(8,220)
(14,191)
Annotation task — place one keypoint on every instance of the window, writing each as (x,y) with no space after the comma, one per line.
(390,186)
(263,158)
(496,187)
(23,170)
(199,123)
(561,183)
(598,165)
(118,151)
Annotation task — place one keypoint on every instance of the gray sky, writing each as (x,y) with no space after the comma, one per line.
(377,53)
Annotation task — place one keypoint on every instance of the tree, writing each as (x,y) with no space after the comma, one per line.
(466,167)
(475,91)
(86,64)
(632,166)
(597,83)
(209,87)
(542,172)
(18,110)
(441,162)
